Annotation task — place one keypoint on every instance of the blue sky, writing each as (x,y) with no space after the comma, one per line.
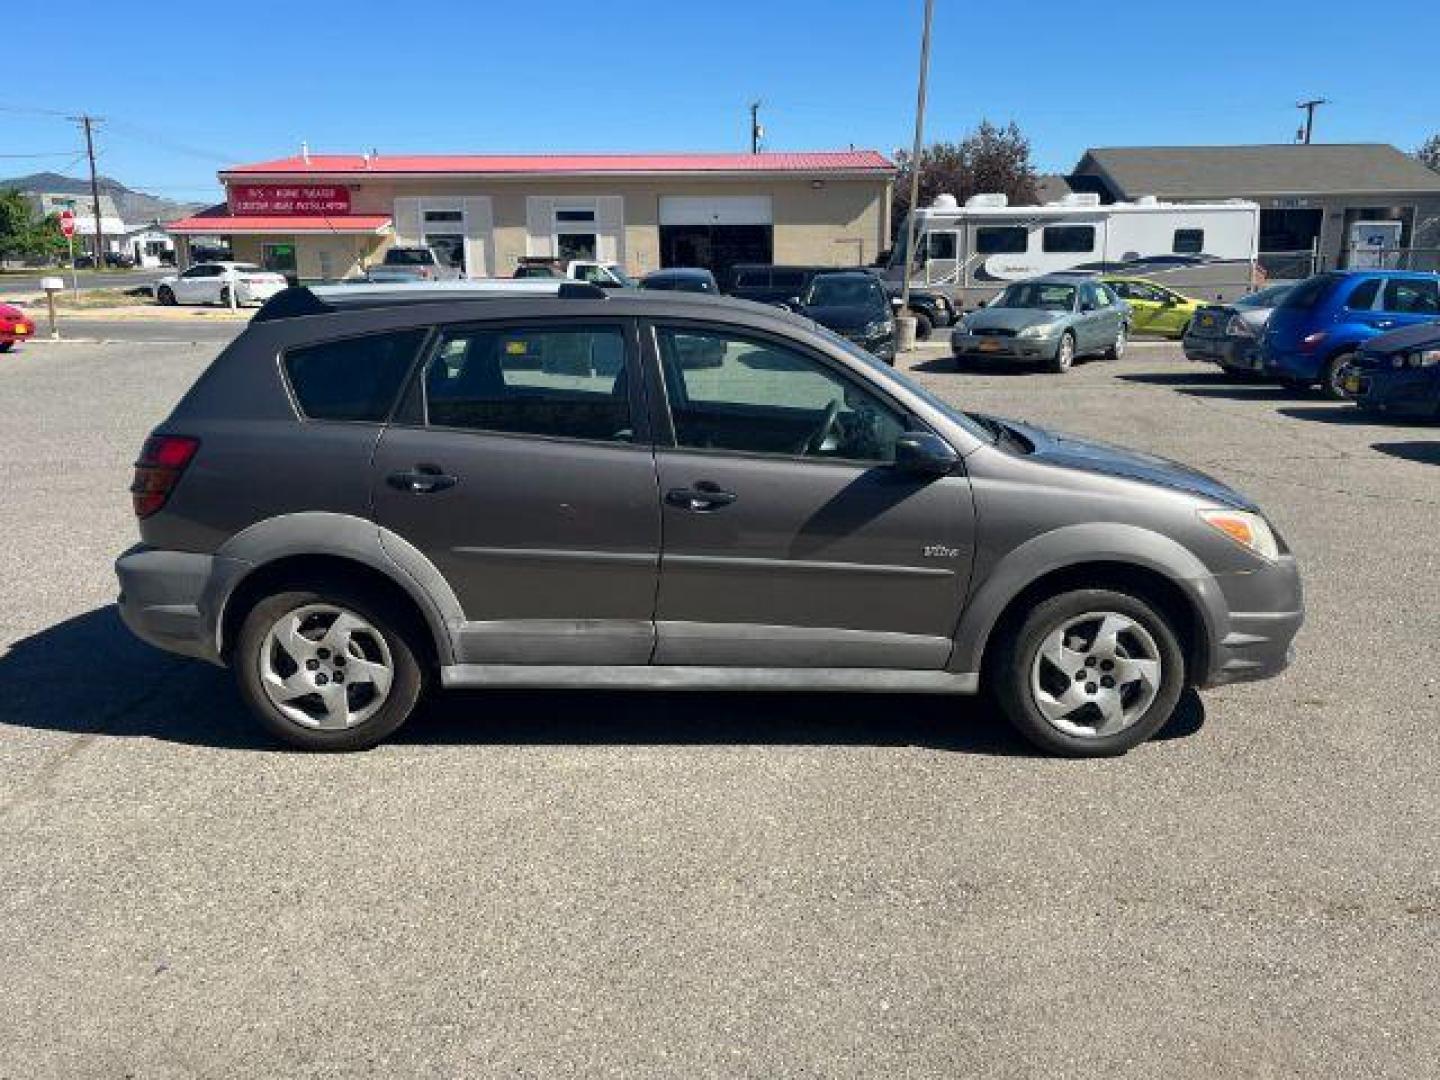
(214,83)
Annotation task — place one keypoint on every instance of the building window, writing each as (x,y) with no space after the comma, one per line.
(1001,240)
(1068,239)
(576,245)
(444,217)
(1188,242)
(574,215)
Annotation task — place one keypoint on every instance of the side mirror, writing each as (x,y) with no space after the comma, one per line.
(922,453)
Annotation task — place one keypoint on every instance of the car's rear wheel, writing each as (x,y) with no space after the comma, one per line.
(6,346)
(165,295)
(1116,351)
(331,669)
(1064,357)
(224,295)
(1090,673)
(923,326)
(1332,379)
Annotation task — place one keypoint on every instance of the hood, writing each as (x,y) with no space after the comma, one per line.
(1089,455)
(1406,339)
(992,318)
(846,316)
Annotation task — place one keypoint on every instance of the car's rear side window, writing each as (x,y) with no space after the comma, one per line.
(565,383)
(1308,293)
(1412,296)
(353,378)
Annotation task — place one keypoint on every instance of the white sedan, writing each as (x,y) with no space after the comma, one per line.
(211,283)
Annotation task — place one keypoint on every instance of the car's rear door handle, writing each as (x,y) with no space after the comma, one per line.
(422,480)
(704,496)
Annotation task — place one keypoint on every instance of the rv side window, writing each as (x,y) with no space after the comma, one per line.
(942,245)
(1001,240)
(1188,242)
(1072,239)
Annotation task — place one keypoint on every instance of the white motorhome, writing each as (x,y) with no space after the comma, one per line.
(973,251)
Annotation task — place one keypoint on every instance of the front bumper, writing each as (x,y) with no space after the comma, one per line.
(1266,611)
(1396,391)
(997,347)
(165,598)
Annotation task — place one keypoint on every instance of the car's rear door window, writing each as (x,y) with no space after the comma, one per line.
(569,382)
(355,378)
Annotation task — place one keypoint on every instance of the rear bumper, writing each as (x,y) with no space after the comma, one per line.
(163,599)
(1291,363)
(1232,353)
(1267,609)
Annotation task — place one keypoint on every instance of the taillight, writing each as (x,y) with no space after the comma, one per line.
(162,460)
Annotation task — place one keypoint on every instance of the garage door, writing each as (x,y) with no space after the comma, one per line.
(715,210)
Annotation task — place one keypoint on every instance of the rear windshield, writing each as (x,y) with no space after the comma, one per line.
(1309,292)
(409,257)
(1269,297)
(248,268)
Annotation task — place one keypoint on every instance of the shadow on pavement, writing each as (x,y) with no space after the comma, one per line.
(1216,385)
(1340,412)
(89,675)
(1426,453)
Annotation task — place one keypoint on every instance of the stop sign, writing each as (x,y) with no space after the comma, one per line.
(67,223)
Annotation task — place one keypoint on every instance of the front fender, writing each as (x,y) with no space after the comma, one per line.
(1077,545)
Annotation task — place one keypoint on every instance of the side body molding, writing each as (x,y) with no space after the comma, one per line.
(344,536)
(1072,545)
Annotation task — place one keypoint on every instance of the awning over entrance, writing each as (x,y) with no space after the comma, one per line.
(218,221)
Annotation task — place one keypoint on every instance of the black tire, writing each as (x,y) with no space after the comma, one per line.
(406,687)
(1064,358)
(165,296)
(224,295)
(1016,655)
(923,326)
(1330,376)
(1117,348)
(6,346)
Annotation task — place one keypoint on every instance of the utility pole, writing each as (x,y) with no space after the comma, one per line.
(906,321)
(1310,107)
(756,131)
(87,122)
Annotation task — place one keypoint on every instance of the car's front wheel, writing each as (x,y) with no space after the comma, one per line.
(1064,357)
(923,326)
(1090,673)
(327,670)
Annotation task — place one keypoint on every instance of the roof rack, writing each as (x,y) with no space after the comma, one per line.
(302,300)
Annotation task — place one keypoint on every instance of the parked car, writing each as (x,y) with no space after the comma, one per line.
(423,262)
(1229,335)
(84,262)
(854,305)
(119,260)
(681,279)
(1318,328)
(15,326)
(211,283)
(1398,374)
(607,275)
(1154,309)
(768,284)
(1050,320)
(462,517)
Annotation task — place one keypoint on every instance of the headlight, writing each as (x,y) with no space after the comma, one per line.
(1248,530)
(1424,358)
(876,328)
(1040,330)
(1238,327)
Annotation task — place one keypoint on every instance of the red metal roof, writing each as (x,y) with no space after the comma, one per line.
(217,220)
(574,164)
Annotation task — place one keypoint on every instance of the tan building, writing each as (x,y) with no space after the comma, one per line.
(325,217)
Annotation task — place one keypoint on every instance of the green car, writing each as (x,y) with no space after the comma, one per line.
(1154,309)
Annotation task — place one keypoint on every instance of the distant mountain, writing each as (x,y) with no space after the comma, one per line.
(135,207)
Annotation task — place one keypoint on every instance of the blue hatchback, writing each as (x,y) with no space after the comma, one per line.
(1314,334)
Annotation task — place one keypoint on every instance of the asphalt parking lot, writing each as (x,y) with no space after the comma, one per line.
(537,884)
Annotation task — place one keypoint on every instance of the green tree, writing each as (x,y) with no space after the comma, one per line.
(988,159)
(1429,152)
(23,235)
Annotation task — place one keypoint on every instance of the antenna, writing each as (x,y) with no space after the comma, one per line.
(1303,135)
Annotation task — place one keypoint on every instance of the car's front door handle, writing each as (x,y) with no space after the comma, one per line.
(422,480)
(706,495)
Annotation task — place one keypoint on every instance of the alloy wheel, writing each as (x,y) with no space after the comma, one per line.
(326,667)
(1096,674)
(1066,354)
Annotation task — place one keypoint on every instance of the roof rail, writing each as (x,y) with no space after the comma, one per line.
(302,300)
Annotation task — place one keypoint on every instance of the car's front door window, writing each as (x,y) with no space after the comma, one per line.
(751,395)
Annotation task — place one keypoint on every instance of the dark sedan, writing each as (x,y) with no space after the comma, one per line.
(1230,335)
(854,305)
(1398,373)
(681,279)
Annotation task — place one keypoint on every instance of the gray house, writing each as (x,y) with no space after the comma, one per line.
(1346,204)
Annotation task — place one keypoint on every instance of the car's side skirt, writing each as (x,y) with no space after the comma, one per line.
(686,677)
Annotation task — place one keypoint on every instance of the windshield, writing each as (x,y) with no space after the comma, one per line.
(620,275)
(834,291)
(248,268)
(408,257)
(1042,295)
(1265,297)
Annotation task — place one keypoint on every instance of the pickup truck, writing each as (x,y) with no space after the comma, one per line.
(411,264)
(606,275)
